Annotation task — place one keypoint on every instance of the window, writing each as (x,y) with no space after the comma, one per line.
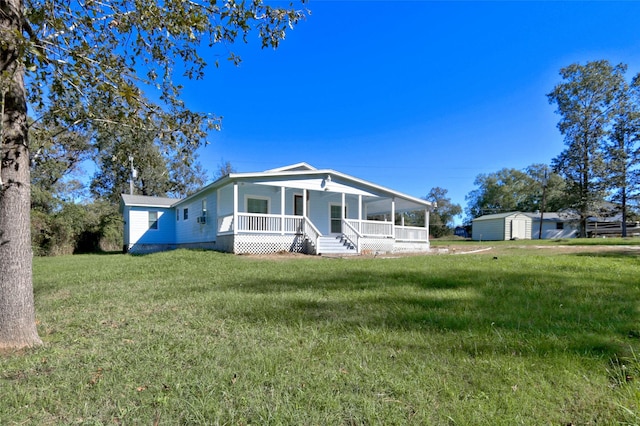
(298,207)
(257,205)
(559,225)
(185,214)
(153,220)
(177,214)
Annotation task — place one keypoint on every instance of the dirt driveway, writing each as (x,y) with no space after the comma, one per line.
(479,249)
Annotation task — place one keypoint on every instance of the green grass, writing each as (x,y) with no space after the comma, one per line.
(193,337)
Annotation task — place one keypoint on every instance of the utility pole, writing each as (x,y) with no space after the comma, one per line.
(542,204)
(134,174)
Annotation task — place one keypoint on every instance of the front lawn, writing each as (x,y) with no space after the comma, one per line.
(192,337)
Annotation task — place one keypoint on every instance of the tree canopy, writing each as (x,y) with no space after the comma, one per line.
(515,190)
(443,215)
(587,101)
(94,69)
(622,150)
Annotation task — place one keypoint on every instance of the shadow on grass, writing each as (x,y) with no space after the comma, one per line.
(512,312)
(477,305)
(622,253)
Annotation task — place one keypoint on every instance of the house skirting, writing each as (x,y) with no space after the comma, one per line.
(261,243)
(270,243)
(370,245)
(411,247)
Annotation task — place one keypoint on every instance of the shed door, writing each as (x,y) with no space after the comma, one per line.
(518,229)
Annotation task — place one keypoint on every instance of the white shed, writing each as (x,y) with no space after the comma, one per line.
(502,226)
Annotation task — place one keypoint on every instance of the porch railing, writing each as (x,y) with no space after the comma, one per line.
(372,228)
(411,233)
(261,223)
(353,229)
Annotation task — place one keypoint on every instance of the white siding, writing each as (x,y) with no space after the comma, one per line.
(550,231)
(225,200)
(319,208)
(488,230)
(502,227)
(259,191)
(138,226)
(190,231)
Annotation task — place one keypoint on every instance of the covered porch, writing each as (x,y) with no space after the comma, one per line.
(304,216)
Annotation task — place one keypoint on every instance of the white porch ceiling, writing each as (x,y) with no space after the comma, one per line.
(316,185)
(384,206)
(376,203)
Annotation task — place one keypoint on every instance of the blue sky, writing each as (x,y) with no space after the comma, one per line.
(410,94)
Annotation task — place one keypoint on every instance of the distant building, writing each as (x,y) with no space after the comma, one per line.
(501,227)
(461,231)
(554,225)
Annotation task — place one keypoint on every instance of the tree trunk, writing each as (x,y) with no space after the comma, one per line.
(17,312)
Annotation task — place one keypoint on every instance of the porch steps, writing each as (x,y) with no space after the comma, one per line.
(335,245)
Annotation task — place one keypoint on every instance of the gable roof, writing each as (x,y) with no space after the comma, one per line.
(554,216)
(548,216)
(497,216)
(292,167)
(304,176)
(147,201)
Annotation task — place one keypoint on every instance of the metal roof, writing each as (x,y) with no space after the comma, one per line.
(147,201)
(304,171)
(554,216)
(497,216)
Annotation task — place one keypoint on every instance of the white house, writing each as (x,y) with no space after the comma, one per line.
(502,226)
(296,208)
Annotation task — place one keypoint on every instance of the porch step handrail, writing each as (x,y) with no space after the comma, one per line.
(311,232)
(351,234)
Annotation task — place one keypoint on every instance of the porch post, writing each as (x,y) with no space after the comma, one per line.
(235,207)
(360,212)
(393,217)
(305,197)
(282,203)
(426,221)
(218,210)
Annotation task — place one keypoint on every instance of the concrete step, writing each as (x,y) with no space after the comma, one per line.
(335,245)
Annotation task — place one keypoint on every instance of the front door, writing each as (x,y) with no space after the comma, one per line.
(298,208)
(336,218)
